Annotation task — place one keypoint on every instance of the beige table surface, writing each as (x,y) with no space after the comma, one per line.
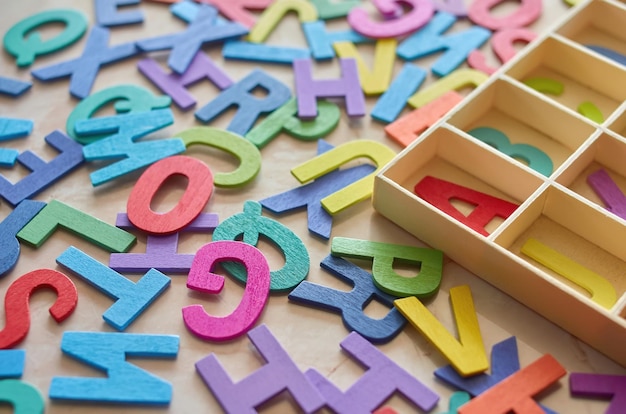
(310,336)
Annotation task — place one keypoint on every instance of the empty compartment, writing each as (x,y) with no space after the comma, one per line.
(523,125)
(575,244)
(600,25)
(599,174)
(446,161)
(574,77)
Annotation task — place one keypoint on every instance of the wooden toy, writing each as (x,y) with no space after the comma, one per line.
(382,378)
(17,310)
(459,79)
(324,163)
(11,128)
(467,354)
(589,110)
(56,214)
(383,255)
(201,279)
(161,251)
(406,129)
(12,363)
(25,49)
(125,383)
(515,392)
(456,46)
(393,101)
(396,22)
(249,107)
(527,12)
(175,85)
(504,363)
(84,69)
(185,45)
(43,174)
(107,14)
(350,304)
(531,155)
(24,397)
(601,290)
(327,9)
(279,374)
(503,44)
(321,41)
(248,155)
(123,130)
(238,10)
(258,52)
(375,81)
(197,193)
(125,98)
(561,210)
(285,119)
(609,192)
(10,226)
(13,87)
(251,224)
(611,387)
(271,16)
(131,298)
(347,86)
(309,196)
(545,85)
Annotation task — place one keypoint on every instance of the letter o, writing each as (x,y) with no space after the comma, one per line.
(194,199)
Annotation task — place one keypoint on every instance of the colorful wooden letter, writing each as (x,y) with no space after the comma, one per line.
(382,379)
(611,387)
(25,49)
(13,87)
(185,45)
(24,398)
(347,86)
(609,192)
(125,98)
(195,197)
(160,250)
(272,15)
(424,284)
(11,128)
(393,101)
(16,308)
(358,191)
(601,290)
(430,39)
(107,14)
(352,303)
(321,41)
(528,12)
(248,155)
(175,85)
(56,214)
(84,69)
(458,79)
(279,374)
(514,394)
(467,354)
(125,383)
(202,279)
(285,119)
(439,193)
(533,156)
(43,174)
(396,23)
(249,106)
(124,130)
(131,298)
(309,196)
(251,224)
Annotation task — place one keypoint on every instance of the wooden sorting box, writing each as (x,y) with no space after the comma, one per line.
(560,209)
